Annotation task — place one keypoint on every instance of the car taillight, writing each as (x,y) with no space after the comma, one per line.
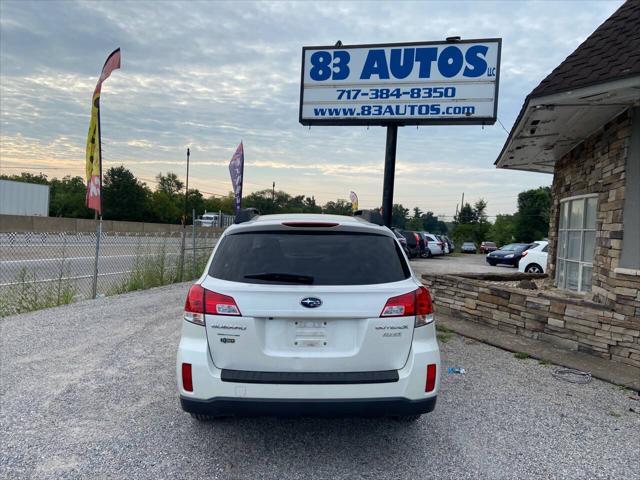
(201,301)
(524,254)
(431,378)
(194,305)
(416,303)
(187,381)
(218,304)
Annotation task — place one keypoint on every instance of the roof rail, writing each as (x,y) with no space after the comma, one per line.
(371,216)
(246,214)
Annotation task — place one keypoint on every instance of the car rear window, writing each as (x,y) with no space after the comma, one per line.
(327,258)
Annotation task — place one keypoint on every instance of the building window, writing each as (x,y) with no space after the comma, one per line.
(576,242)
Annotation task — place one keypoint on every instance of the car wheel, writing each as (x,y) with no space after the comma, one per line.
(533,268)
(493,264)
(408,418)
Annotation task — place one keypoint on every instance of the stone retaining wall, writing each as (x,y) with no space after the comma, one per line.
(569,322)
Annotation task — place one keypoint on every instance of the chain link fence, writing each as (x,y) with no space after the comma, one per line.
(44,269)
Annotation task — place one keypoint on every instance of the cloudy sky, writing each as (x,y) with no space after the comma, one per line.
(208,74)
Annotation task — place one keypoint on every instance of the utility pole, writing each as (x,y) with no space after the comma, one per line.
(273,194)
(186,192)
(389,173)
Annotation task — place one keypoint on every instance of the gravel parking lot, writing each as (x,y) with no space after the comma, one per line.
(88,390)
(462,263)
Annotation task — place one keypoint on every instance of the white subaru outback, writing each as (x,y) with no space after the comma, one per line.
(306,314)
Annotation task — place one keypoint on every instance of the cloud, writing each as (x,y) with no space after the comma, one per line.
(209,74)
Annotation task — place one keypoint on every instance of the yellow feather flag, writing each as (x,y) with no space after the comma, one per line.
(93,161)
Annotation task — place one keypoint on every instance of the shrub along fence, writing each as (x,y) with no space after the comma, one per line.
(46,262)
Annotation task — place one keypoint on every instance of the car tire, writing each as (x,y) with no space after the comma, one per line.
(408,418)
(533,268)
(493,264)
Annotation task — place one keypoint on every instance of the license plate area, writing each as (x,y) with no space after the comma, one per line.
(310,333)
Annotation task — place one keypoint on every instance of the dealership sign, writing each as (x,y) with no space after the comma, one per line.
(449,83)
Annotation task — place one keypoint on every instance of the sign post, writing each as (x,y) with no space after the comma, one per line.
(423,83)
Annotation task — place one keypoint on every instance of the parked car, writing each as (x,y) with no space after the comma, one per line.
(208,219)
(403,242)
(435,246)
(488,247)
(452,246)
(508,255)
(445,245)
(413,242)
(274,327)
(468,247)
(534,259)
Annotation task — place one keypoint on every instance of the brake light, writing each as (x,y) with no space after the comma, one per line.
(194,305)
(310,224)
(218,304)
(187,380)
(201,301)
(430,385)
(400,306)
(424,307)
(416,303)
(524,254)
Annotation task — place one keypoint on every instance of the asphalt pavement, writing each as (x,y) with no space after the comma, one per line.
(88,391)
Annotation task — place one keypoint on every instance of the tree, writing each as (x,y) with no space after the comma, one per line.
(26,177)
(466,215)
(399,216)
(123,196)
(220,204)
(67,198)
(471,223)
(339,207)
(532,218)
(169,183)
(431,224)
(502,229)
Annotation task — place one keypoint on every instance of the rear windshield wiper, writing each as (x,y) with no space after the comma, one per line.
(282,277)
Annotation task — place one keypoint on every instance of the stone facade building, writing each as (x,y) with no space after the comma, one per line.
(582,123)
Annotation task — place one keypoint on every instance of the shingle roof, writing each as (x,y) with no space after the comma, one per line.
(612,52)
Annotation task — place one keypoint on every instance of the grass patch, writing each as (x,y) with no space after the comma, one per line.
(159,269)
(149,271)
(521,355)
(26,294)
(444,334)
(443,337)
(545,363)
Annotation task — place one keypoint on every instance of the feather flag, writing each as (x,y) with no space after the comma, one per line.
(93,162)
(354,201)
(236,170)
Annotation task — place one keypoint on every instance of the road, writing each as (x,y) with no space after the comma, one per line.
(47,258)
(88,391)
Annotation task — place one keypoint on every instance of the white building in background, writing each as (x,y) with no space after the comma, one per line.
(19,198)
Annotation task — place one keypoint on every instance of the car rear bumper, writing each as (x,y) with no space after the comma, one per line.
(225,406)
(219,387)
(502,261)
